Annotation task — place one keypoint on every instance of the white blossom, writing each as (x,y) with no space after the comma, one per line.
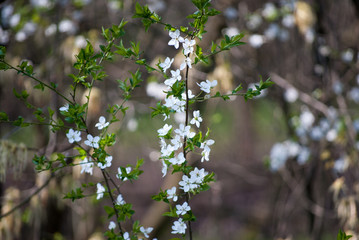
(20,36)
(92,141)
(187,184)
(231,31)
(120,200)
(256,40)
(182,209)
(331,135)
(354,94)
(206,149)
(171,194)
(102,123)
(146,231)
(306,119)
(176,76)
(166,64)
(50,30)
(187,62)
(254,21)
(177,142)
(303,155)
(185,131)
(14,20)
(280,153)
(108,163)
(100,191)
(156,90)
(188,46)
(67,26)
(197,119)
(119,173)
(164,169)
(190,95)
(167,150)
(197,176)
(178,160)
(207,85)
(176,38)
(231,13)
(207,143)
(347,56)
(291,95)
(73,136)
(272,31)
(164,130)
(112,225)
(86,166)
(341,164)
(126,236)
(179,227)
(64,108)
(278,156)
(288,21)
(175,103)
(270,11)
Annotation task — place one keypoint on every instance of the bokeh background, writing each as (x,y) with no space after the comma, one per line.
(286,163)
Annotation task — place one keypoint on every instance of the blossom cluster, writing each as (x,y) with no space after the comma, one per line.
(90,160)
(74,136)
(173,140)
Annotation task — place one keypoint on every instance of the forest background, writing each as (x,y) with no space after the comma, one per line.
(286,163)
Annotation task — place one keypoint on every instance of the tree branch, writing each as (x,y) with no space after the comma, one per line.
(26,200)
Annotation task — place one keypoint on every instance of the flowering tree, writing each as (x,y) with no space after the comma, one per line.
(83,142)
(90,147)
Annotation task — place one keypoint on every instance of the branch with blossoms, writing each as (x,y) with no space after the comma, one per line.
(178,142)
(92,154)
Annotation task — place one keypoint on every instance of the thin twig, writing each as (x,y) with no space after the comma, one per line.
(37,80)
(26,200)
(297,189)
(304,97)
(113,201)
(185,140)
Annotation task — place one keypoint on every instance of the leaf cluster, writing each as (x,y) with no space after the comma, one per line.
(343,236)
(251,93)
(148,17)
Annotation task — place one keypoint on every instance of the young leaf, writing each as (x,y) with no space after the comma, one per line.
(2,52)
(343,236)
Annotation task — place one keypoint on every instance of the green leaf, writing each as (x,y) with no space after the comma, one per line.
(54,85)
(200,4)
(343,236)
(213,47)
(110,211)
(89,49)
(4,116)
(213,12)
(171,213)
(20,122)
(2,52)
(225,97)
(73,195)
(184,29)
(40,86)
(237,89)
(4,66)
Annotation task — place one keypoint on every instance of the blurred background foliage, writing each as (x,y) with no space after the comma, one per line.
(286,163)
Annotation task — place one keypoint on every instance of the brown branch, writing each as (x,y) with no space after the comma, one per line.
(113,201)
(297,190)
(304,97)
(26,200)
